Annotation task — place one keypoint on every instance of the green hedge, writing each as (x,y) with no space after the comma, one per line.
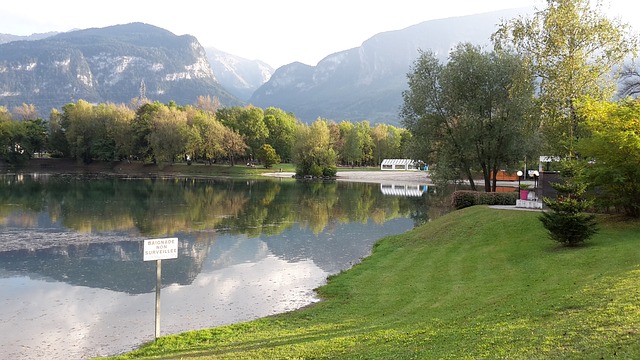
(465,198)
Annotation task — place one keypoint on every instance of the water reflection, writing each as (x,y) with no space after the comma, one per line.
(75,286)
(404,190)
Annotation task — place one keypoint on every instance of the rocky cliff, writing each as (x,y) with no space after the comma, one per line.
(112,64)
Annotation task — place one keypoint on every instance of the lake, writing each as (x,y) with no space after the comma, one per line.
(74,284)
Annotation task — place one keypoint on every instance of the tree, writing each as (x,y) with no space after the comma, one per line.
(473,113)
(169,133)
(568,223)
(208,104)
(251,125)
(380,135)
(26,112)
(79,122)
(613,146)
(141,130)
(281,127)
(5,115)
(57,140)
(312,151)
(35,136)
(233,144)
(572,49)
(268,156)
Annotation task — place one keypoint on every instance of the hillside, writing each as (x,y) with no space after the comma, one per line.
(366,83)
(240,76)
(475,284)
(111,64)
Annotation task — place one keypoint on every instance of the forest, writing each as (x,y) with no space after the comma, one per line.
(158,133)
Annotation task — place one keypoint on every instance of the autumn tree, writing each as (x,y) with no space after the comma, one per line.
(233,145)
(26,112)
(572,49)
(208,104)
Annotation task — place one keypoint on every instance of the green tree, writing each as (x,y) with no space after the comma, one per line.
(281,127)
(35,136)
(568,223)
(268,156)
(120,131)
(141,130)
(81,129)
(169,135)
(572,49)
(473,113)
(252,127)
(57,140)
(613,145)
(312,151)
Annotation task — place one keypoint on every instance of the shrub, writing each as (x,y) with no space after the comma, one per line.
(329,171)
(465,198)
(567,223)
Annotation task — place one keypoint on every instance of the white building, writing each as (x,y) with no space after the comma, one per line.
(398,164)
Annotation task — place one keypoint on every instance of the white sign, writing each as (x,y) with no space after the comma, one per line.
(160,249)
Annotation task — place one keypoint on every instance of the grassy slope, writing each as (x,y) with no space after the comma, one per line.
(477,283)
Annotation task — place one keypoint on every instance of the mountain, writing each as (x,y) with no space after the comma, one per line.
(366,83)
(241,77)
(5,38)
(111,64)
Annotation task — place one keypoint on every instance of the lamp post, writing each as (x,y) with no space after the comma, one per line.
(519,173)
(535,178)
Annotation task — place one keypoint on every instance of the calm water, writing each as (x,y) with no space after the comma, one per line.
(73,284)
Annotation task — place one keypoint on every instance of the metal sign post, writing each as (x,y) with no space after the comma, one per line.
(159,249)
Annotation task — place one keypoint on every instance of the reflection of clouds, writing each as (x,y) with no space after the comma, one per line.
(59,321)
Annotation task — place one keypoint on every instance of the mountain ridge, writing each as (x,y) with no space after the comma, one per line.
(112,64)
(366,82)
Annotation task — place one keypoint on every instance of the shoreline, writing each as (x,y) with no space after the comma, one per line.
(413,177)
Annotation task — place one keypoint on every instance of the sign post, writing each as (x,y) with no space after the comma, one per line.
(159,249)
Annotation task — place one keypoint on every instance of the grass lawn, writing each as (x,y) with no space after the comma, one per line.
(477,283)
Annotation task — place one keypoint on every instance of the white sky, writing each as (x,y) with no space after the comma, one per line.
(276,31)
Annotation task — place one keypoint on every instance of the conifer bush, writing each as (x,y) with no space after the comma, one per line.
(567,222)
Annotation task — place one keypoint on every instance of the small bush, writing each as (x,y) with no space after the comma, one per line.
(330,171)
(465,198)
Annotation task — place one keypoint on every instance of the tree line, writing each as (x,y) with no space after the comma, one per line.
(165,133)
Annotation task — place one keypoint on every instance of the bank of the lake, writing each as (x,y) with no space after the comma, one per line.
(477,283)
(141,169)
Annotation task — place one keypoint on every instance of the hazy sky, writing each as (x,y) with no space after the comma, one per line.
(276,31)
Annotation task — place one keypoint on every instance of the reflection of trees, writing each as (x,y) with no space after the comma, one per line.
(158,207)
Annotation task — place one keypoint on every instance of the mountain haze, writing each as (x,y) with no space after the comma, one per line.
(241,77)
(111,64)
(5,38)
(366,83)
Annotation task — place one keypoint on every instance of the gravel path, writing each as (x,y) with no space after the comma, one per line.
(378,177)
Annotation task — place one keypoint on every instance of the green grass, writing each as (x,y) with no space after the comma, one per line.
(477,283)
